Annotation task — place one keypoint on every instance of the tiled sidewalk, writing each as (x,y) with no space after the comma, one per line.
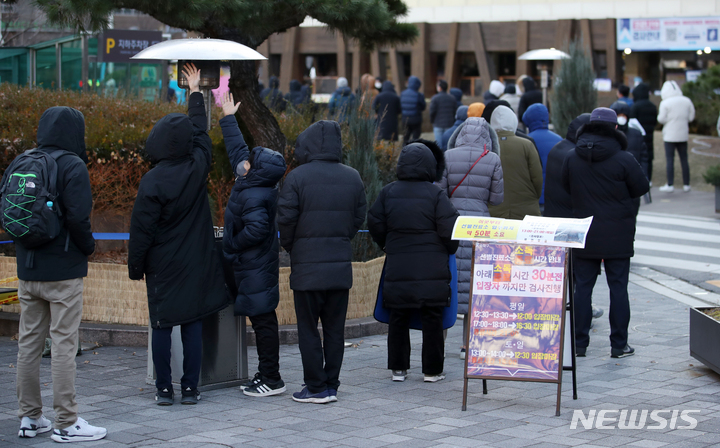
(372,411)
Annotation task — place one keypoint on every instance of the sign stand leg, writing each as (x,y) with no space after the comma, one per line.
(559,396)
(484,387)
(465,392)
(571,295)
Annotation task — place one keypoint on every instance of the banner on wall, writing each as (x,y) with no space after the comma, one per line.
(121,45)
(668,34)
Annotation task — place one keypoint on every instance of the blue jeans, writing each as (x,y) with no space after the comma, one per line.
(439,133)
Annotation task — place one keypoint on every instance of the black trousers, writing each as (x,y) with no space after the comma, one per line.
(412,131)
(586,272)
(321,360)
(433,348)
(651,153)
(191,334)
(681,148)
(267,342)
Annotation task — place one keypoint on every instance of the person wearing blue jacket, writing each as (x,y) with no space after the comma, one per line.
(342,101)
(412,104)
(537,119)
(460,117)
(458,94)
(251,244)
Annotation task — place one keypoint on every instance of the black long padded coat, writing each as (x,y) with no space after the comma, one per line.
(557,201)
(321,207)
(412,220)
(250,240)
(602,179)
(387,107)
(171,230)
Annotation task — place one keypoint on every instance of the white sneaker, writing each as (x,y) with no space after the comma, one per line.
(30,427)
(80,431)
(667,188)
(686,188)
(399,375)
(650,183)
(434,378)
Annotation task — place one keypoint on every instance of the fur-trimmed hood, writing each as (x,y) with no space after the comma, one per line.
(421,160)
(597,141)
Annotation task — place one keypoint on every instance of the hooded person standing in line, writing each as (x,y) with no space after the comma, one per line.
(251,244)
(387,107)
(557,200)
(412,103)
(172,243)
(460,117)
(342,101)
(494,92)
(487,115)
(473,179)
(457,94)
(512,98)
(532,95)
(537,119)
(636,143)
(321,207)
(603,180)
(272,96)
(295,97)
(522,170)
(442,110)
(412,221)
(646,113)
(676,112)
(50,286)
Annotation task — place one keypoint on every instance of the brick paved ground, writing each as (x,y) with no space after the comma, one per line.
(372,411)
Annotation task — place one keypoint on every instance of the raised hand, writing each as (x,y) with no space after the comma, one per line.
(228,105)
(192,74)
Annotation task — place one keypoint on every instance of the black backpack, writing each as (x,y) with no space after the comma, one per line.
(29,211)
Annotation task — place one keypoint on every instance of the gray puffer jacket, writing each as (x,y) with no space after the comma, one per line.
(483,185)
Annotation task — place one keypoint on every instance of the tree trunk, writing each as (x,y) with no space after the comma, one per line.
(256,121)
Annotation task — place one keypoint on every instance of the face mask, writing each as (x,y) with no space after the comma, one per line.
(378,85)
(622,121)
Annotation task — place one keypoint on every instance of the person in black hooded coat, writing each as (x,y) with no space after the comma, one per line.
(646,112)
(557,200)
(321,207)
(412,221)
(387,107)
(531,96)
(272,96)
(603,180)
(295,97)
(250,243)
(172,243)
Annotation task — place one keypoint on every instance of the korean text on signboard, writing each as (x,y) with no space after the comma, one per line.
(516,312)
(121,45)
(670,33)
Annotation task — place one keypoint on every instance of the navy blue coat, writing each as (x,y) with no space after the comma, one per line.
(537,119)
(387,108)
(557,200)
(250,240)
(412,102)
(341,103)
(460,117)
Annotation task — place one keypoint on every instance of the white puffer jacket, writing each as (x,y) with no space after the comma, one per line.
(676,111)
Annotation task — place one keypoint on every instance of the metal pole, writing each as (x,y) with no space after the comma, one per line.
(58,62)
(85,63)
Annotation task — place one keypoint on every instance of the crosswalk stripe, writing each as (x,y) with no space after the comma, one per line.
(688,241)
(677,234)
(684,222)
(678,248)
(675,263)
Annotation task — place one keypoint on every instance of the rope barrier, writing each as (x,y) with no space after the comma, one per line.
(126,236)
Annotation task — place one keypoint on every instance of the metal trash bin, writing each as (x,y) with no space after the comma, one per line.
(224,357)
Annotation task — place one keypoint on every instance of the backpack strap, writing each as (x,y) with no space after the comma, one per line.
(473,166)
